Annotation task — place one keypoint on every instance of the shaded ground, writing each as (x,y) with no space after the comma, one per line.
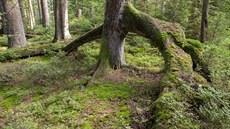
(50,91)
(123,101)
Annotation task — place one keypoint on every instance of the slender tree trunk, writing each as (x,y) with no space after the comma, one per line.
(61,20)
(204,21)
(78,13)
(15,30)
(31,13)
(21,5)
(78,10)
(45,13)
(39,10)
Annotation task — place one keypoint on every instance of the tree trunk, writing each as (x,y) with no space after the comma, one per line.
(21,5)
(204,21)
(78,13)
(15,30)
(3,20)
(61,20)
(39,10)
(45,13)
(31,14)
(113,35)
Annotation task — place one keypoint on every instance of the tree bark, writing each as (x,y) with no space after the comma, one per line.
(21,5)
(112,50)
(31,14)
(90,36)
(45,13)
(15,30)
(78,13)
(39,11)
(204,21)
(3,20)
(61,20)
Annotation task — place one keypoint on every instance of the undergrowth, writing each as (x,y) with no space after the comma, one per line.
(193,108)
(217,55)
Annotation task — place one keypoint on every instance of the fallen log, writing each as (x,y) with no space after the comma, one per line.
(31,51)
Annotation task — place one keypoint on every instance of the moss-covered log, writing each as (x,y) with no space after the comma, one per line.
(169,38)
(31,51)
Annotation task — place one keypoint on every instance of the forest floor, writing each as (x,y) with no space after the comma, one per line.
(51,91)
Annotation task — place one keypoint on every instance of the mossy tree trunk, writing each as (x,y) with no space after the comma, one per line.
(121,17)
(113,35)
(169,38)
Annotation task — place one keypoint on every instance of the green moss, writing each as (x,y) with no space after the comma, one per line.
(87,125)
(78,108)
(163,36)
(195,43)
(109,91)
(9,100)
(3,41)
(105,65)
(130,10)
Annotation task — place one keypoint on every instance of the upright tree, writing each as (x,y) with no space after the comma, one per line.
(22,9)
(39,10)
(3,20)
(15,30)
(113,34)
(31,15)
(45,13)
(204,21)
(61,20)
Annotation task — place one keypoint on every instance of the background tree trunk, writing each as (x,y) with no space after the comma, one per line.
(3,20)
(21,5)
(15,30)
(45,13)
(39,10)
(31,14)
(61,20)
(204,21)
